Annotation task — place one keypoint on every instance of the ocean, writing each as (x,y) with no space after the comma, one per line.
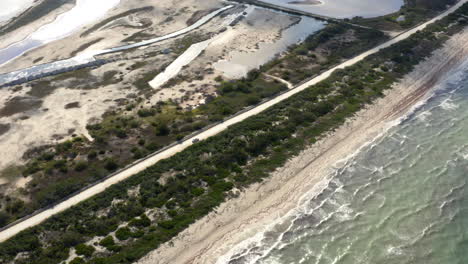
(401,199)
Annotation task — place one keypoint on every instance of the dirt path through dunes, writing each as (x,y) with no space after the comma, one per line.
(138,167)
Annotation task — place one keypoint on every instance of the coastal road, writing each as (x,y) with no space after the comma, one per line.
(140,166)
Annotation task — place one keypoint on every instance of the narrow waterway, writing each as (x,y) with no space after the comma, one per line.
(402,199)
(343,8)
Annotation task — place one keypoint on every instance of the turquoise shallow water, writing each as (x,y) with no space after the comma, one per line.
(402,199)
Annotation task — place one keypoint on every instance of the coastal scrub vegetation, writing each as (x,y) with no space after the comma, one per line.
(123,137)
(158,203)
(321,51)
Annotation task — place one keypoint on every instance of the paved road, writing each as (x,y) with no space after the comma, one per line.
(124,174)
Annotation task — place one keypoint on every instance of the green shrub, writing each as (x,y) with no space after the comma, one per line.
(77,260)
(48,156)
(143,221)
(120,133)
(111,165)
(71,239)
(81,166)
(92,155)
(153,146)
(145,112)
(123,233)
(84,250)
(162,130)
(4,218)
(107,242)
(170,224)
(198,191)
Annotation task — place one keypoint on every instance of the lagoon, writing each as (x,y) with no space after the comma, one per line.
(344,8)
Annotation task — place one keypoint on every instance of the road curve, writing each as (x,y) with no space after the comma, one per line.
(136,168)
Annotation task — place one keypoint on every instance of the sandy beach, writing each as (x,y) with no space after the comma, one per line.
(261,204)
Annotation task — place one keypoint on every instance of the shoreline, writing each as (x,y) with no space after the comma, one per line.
(264,203)
(64,47)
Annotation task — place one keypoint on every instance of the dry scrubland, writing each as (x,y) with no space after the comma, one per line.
(42,113)
(137,119)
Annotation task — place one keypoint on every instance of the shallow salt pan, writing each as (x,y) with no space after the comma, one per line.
(188,56)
